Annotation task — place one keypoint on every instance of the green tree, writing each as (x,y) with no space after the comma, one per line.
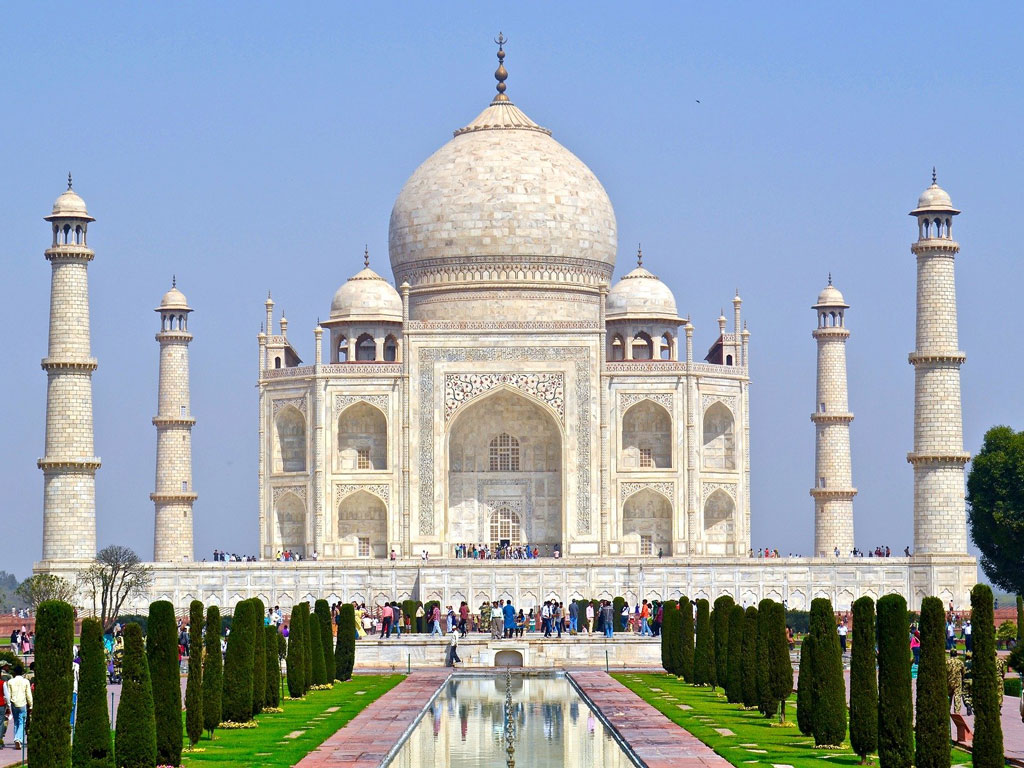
(194,685)
(322,610)
(987,749)
(409,611)
(51,724)
(92,747)
(712,665)
(296,665)
(237,700)
(766,702)
(115,575)
(165,673)
(734,673)
(316,650)
(995,495)
(272,664)
(670,641)
(213,672)
(828,688)
(41,587)
(135,729)
(617,605)
(702,651)
(345,650)
(864,681)
(931,723)
(781,669)
(259,657)
(722,614)
(307,647)
(1020,619)
(749,665)
(686,644)
(805,686)
(895,705)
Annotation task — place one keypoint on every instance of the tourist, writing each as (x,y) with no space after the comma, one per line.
(451,620)
(545,617)
(485,616)
(659,616)
(396,617)
(574,617)
(435,621)
(950,632)
(558,616)
(386,615)
(607,615)
(18,694)
(452,656)
(915,646)
(509,616)
(843,631)
(497,619)
(645,628)
(624,616)
(590,618)
(463,618)
(968,642)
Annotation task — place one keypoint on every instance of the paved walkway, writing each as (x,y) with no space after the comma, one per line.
(655,739)
(370,735)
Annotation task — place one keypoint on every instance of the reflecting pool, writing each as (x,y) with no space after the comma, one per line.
(466,727)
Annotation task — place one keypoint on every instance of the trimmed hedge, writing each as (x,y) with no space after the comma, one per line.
(259,657)
(712,666)
(51,724)
(237,701)
(165,674)
(723,616)
(307,647)
(702,652)
(895,705)
(749,662)
(780,674)
(931,721)
(316,650)
(272,664)
(734,673)
(194,685)
(805,687)
(135,729)
(671,622)
(92,747)
(767,704)
(686,639)
(409,611)
(618,604)
(213,671)
(295,664)
(345,650)
(987,748)
(828,687)
(864,681)
(322,610)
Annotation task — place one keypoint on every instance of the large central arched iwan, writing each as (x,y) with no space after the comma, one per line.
(505,473)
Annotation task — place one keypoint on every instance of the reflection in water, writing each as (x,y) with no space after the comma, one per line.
(465,728)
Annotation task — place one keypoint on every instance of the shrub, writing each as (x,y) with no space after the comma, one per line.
(316,650)
(165,674)
(345,651)
(194,685)
(51,724)
(409,611)
(805,686)
(734,673)
(272,667)
(617,605)
(259,657)
(322,611)
(828,688)
(671,622)
(1011,687)
(686,645)
(307,647)
(895,706)
(213,672)
(781,669)
(987,749)
(237,701)
(712,666)
(296,665)
(1006,632)
(135,730)
(92,747)
(702,651)
(766,702)
(749,661)
(723,615)
(864,681)
(931,721)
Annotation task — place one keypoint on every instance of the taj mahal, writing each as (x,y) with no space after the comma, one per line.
(503,390)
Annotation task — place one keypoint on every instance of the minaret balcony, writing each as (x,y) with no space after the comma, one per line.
(831,418)
(186,497)
(70,253)
(833,494)
(85,464)
(948,459)
(173,421)
(933,245)
(80,364)
(837,332)
(174,336)
(924,358)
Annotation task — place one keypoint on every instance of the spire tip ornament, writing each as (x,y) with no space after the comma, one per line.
(69,181)
(934,177)
(366,255)
(174,281)
(639,256)
(501,74)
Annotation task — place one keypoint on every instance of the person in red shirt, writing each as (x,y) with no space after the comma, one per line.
(463,618)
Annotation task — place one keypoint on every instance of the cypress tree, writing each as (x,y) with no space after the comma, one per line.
(712,666)
(92,747)
(135,730)
(864,681)
(237,701)
(259,657)
(828,687)
(931,723)
(723,615)
(781,672)
(1020,619)
(165,674)
(307,648)
(295,664)
(316,651)
(408,609)
(194,684)
(805,686)
(749,661)
(987,749)
(766,702)
(734,673)
(322,611)
(617,605)
(345,651)
(213,672)
(686,649)
(895,706)
(670,640)
(701,653)
(272,668)
(51,716)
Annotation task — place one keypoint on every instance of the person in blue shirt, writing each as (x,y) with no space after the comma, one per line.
(509,613)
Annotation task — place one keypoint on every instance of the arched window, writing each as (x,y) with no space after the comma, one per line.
(718,518)
(666,347)
(643,347)
(277,362)
(618,348)
(390,349)
(291,440)
(290,519)
(362,438)
(719,438)
(505,527)
(366,348)
(646,437)
(728,359)
(342,349)
(504,453)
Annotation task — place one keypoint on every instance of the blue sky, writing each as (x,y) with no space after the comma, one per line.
(260,145)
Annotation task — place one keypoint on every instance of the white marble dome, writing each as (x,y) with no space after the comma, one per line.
(640,294)
(367,296)
(502,192)
(935,198)
(174,299)
(69,206)
(831,296)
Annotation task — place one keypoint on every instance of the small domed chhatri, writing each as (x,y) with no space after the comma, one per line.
(641,294)
(830,296)
(935,198)
(173,299)
(366,296)
(69,206)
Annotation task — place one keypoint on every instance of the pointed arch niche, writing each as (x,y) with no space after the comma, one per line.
(289,440)
(649,514)
(290,524)
(719,438)
(365,517)
(646,437)
(362,439)
(719,521)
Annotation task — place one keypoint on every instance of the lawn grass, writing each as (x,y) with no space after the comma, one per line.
(756,740)
(268,744)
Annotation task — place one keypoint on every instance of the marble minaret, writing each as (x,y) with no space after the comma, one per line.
(833,489)
(938,458)
(69,466)
(173,497)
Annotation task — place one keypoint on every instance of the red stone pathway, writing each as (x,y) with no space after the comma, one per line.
(370,735)
(656,740)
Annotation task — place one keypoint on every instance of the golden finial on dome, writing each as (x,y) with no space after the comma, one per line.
(934,177)
(501,74)
(69,181)
(639,256)
(366,255)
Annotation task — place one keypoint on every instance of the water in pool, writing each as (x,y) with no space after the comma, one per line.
(465,727)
